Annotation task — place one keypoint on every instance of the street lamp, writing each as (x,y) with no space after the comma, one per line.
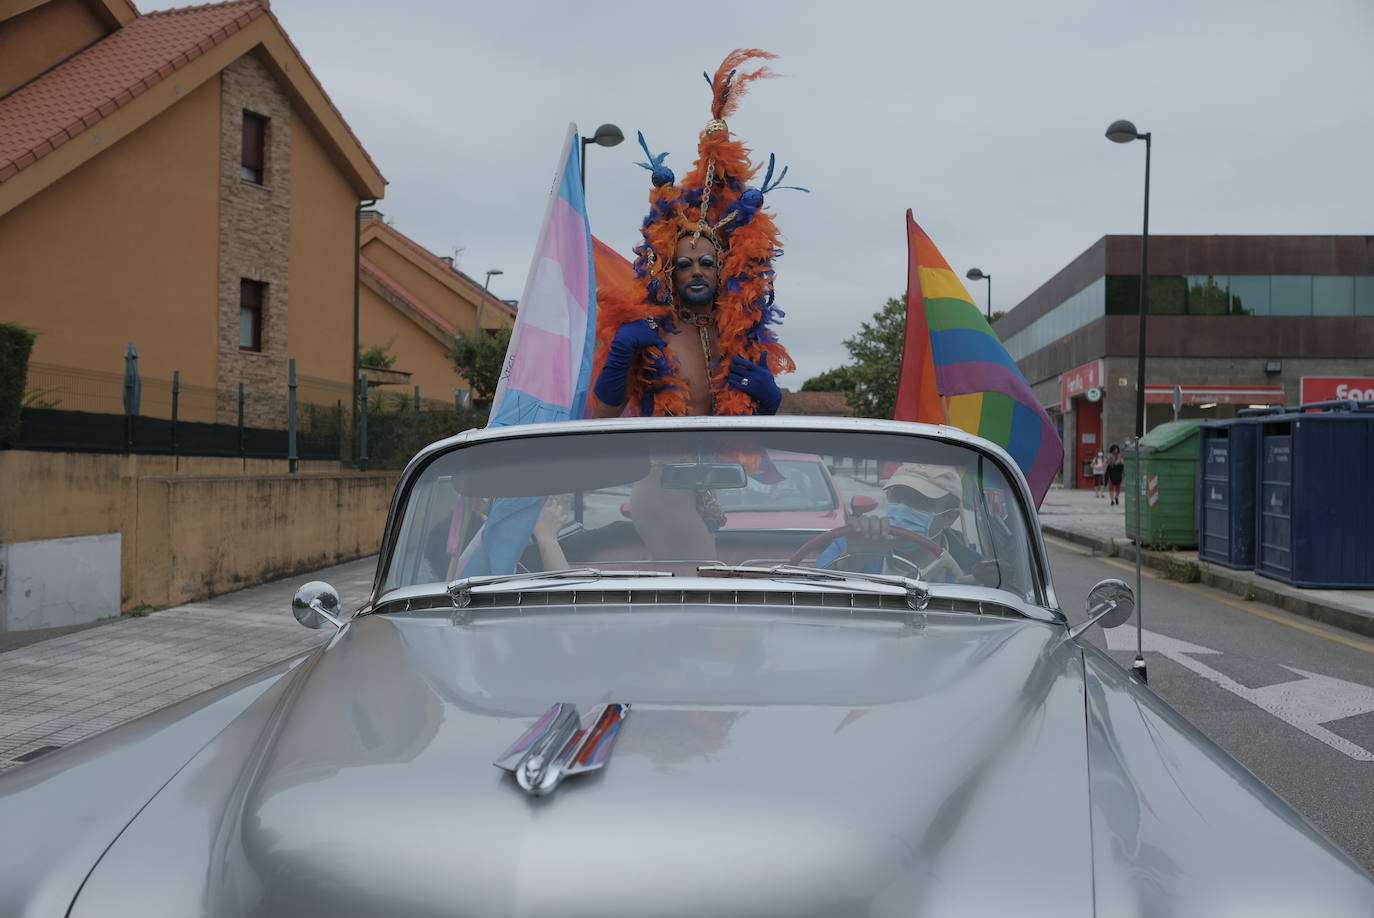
(483,303)
(1125,132)
(975,274)
(608,135)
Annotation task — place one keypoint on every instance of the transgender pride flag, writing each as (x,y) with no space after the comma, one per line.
(548,366)
(955,370)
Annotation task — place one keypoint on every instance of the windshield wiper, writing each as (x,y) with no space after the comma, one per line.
(461,590)
(917,592)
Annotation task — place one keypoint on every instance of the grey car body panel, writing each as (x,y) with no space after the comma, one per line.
(772,764)
(781,758)
(1180,828)
(71,804)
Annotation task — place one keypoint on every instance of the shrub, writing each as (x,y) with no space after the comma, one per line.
(16,343)
(395,432)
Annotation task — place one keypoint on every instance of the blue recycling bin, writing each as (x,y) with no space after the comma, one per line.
(1315,516)
(1227,481)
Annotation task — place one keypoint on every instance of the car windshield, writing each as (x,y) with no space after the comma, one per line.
(669,501)
(800,485)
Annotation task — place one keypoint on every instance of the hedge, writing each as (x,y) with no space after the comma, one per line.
(16,343)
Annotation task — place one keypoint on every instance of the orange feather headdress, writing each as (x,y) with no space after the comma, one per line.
(712,201)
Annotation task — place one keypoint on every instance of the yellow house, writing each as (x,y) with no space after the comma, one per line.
(178,180)
(415,301)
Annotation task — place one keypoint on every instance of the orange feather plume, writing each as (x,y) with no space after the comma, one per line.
(747,249)
(727,91)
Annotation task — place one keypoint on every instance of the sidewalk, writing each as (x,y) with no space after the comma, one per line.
(1079,517)
(66,688)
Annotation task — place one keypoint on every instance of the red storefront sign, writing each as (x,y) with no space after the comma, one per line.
(1079,380)
(1328,388)
(1216,395)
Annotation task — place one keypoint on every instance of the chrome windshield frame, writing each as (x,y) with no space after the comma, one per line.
(1009,469)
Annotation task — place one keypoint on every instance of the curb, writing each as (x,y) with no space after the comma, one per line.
(1245,584)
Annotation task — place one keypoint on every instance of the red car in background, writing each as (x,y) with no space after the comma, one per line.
(805,498)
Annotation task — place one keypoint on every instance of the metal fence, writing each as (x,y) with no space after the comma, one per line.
(77,410)
(393,426)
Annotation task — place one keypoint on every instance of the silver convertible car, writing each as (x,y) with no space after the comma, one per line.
(579,689)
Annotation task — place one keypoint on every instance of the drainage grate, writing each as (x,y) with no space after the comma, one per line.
(34,753)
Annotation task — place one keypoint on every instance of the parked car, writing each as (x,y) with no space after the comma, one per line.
(796,491)
(545,708)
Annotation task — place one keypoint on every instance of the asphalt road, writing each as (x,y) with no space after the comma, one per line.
(1291,699)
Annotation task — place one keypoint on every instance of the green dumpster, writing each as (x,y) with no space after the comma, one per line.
(1166,497)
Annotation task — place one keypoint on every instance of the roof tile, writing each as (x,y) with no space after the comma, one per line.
(437,261)
(107,75)
(401,293)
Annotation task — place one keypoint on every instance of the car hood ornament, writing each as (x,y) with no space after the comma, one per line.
(560,744)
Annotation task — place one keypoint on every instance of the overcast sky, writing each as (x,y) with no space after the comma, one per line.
(985,118)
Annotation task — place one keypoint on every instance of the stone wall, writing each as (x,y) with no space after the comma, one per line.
(254,234)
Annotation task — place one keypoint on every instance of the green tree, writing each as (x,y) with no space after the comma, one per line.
(378,355)
(876,352)
(840,379)
(478,359)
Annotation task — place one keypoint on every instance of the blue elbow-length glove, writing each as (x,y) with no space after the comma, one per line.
(630,339)
(756,381)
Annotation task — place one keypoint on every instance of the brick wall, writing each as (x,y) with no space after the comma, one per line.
(254,228)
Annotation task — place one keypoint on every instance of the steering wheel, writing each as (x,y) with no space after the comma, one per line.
(818,544)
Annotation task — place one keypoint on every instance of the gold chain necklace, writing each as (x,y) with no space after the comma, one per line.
(702,323)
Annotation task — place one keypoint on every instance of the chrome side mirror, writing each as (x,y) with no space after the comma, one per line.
(317,604)
(1110,603)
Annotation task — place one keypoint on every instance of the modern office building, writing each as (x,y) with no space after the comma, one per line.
(1234,321)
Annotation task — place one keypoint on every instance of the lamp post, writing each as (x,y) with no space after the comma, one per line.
(1125,132)
(608,135)
(478,330)
(975,274)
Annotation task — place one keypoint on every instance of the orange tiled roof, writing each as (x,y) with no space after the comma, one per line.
(401,293)
(438,262)
(46,113)
(42,115)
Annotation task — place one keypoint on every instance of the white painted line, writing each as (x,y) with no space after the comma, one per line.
(1304,703)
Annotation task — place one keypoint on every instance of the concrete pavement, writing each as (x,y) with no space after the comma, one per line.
(57,691)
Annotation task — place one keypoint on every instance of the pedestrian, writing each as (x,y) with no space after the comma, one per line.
(1099,475)
(1116,470)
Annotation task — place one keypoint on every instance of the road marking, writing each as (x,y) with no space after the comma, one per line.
(1214,595)
(1305,703)
(1357,643)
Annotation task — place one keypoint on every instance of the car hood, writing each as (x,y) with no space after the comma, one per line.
(818,764)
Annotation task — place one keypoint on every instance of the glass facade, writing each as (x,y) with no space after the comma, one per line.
(1364,296)
(1082,308)
(1243,295)
(1249,295)
(1199,295)
(1333,296)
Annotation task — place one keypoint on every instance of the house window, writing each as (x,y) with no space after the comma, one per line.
(254,145)
(251,295)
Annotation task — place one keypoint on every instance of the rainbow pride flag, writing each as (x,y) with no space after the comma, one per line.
(955,370)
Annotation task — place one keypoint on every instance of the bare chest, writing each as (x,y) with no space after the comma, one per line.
(686,347)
